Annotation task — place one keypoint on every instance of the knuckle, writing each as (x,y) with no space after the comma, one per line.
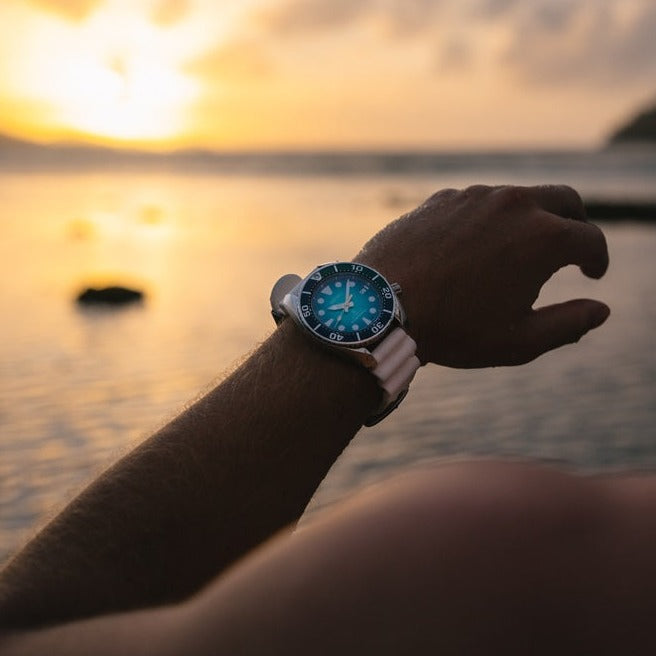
(477,190)
(561,233)
(510,197)
(558,231)
(441,196)
(565,197)
(566,192)
(597,236)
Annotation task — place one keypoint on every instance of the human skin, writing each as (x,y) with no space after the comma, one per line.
(456,558)
(241,464)
(471,264)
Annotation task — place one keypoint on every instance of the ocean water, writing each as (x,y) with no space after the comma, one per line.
(79,387)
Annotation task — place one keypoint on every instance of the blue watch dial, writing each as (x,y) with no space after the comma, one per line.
(346,303)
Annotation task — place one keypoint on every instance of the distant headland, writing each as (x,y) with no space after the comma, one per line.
(630,151)
(639,129)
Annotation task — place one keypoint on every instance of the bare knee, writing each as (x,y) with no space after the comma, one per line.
(455,557)
(502,549)
(528,558)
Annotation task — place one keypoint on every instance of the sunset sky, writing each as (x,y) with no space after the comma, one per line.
(325,73)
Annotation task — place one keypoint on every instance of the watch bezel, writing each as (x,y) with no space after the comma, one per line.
(368,335)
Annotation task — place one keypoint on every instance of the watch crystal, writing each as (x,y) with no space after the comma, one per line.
(346,303)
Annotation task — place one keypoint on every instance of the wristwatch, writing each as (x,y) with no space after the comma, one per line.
(352,309)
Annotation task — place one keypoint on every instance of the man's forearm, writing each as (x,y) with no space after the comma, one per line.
(237,466)
(244,461)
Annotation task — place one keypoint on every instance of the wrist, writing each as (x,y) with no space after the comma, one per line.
(413,297)
(353,312)
(338,387)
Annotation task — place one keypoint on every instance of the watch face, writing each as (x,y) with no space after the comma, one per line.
(346,303)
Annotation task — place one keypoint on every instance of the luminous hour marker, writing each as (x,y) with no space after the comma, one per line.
(372,299)
(355,327)
(338,284)
(320,300)
(327,290)
(372,310)
(321,313)
(342,327)
(366,321)
(329,322)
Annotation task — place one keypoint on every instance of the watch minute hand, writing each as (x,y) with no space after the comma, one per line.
(347,297)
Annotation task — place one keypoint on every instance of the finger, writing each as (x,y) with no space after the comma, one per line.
(556,325)
(559,199)
(580,243)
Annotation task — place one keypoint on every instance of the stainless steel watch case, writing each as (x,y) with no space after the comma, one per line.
(389,355)
(285,302)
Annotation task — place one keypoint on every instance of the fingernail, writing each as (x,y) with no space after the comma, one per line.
(598,315)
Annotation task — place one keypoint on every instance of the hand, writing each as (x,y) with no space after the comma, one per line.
(344,307)
(471,264)
(347,299)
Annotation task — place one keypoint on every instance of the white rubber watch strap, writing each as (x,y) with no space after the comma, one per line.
(396,366)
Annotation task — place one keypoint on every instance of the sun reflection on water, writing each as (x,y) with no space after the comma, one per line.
(78,387)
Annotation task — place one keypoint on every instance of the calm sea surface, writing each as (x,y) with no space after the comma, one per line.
(77,388)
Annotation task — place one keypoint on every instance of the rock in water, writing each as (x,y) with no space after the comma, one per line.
(113,296)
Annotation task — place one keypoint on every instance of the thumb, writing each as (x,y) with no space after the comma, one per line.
(563,323)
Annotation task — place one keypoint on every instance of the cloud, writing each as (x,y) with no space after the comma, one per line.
(538,42)
(302,16)
(403,18)
(635,51)
(169,12)
(455,54)
(239,60)
(399,17)
(590,42)
(73,10)
(494,8)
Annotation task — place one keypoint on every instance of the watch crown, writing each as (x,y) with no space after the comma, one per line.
(396,288)
(282,287)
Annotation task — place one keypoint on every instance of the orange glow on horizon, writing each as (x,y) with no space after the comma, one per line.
(266,74)
(132,100)
(109,80)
